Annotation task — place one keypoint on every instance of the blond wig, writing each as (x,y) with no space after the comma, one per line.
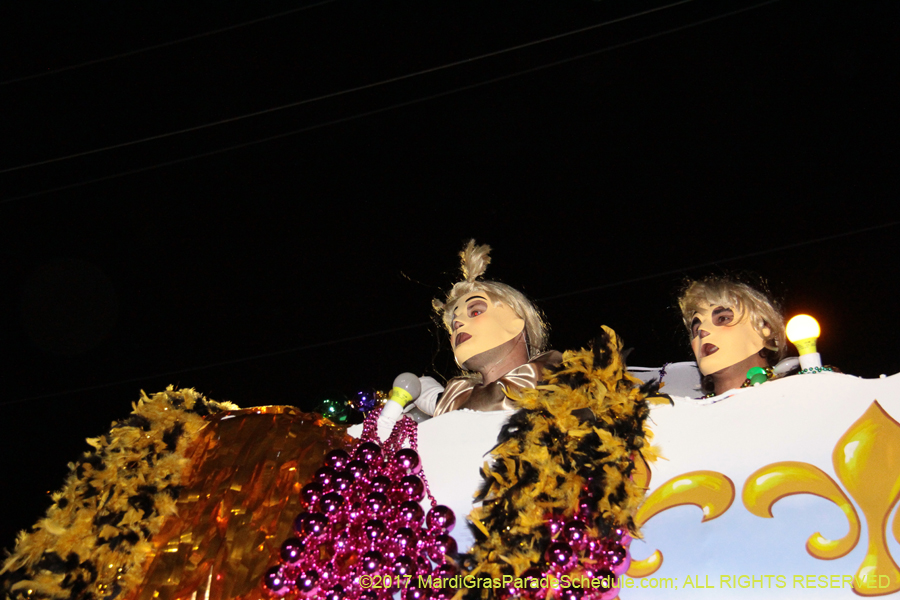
(763,312)
(475,260)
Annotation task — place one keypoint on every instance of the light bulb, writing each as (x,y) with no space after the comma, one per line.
(406,388)
(803,331)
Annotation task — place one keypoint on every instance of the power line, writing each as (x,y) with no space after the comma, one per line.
(344,92)
(717,262)
(162,45)
(362,114)
(426,323)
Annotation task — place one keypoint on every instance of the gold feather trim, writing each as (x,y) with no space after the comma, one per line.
(576,439)
(94,537)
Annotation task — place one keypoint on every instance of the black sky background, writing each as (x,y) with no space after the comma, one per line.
(283,272)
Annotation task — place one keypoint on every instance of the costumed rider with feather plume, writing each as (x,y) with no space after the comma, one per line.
(498,338)
(569,468)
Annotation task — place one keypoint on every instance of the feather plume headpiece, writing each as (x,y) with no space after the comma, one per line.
(474,260)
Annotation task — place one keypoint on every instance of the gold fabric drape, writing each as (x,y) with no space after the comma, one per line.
(238,504)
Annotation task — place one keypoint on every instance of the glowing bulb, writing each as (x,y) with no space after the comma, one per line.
(802,327)
(803,331)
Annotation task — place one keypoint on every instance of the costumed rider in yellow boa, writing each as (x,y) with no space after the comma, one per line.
(498,338)
(568,469)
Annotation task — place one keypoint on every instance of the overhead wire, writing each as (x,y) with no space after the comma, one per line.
(711,263)
(189,38)
(346,91)
(354,338)
(362,114)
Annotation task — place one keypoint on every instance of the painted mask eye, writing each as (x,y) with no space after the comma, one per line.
(478,307)
(695,327)
(722,316)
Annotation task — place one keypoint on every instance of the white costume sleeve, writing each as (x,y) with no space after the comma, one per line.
(431,391)
(389,416)
(392,411)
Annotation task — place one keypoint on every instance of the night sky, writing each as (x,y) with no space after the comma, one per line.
(292,255)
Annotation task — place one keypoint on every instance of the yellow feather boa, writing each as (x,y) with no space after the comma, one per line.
(586,420)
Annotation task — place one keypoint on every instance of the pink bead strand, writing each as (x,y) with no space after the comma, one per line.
(363,506)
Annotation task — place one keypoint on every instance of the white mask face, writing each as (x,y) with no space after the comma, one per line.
(721,337)
(479,323)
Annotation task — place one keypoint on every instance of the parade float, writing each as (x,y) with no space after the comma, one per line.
(582,482)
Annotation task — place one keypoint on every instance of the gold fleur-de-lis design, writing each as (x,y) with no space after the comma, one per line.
(768,485)
(867,461)
(712,492)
